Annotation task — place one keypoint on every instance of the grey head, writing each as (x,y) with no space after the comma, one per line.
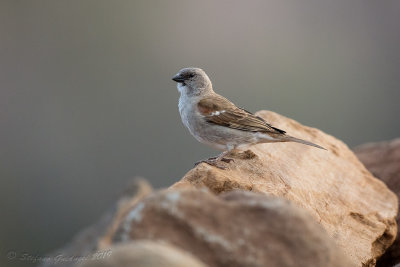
(192,81)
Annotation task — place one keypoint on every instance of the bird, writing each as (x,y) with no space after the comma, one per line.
(217,122)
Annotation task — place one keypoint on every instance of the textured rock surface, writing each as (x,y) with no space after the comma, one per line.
(145,254)
(95,237)
(383,160)
(233,229)
(357,210)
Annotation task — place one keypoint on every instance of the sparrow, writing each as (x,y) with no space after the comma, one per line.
(215,121)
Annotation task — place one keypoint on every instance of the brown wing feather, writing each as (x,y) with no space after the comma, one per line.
(220,111)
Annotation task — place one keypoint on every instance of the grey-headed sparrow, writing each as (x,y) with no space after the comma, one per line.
(215,121)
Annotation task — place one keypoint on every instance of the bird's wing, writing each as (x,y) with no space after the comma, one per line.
(220,111)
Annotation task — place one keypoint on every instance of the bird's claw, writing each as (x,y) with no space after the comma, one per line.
(227,160)
(216,163)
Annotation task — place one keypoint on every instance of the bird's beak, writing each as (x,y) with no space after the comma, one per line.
(178,79)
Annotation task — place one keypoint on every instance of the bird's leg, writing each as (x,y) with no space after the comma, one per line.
(216,161)
(222,155)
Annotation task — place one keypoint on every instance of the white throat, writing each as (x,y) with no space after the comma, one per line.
(184,99)
(181,88)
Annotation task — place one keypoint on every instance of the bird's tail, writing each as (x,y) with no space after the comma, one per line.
(301,141)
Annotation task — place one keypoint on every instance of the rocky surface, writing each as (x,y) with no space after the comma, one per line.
(233,229)
(144,253)
(95,237)
(357,210)
(383,160)
(307,207)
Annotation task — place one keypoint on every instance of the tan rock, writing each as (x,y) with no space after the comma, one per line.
(383,160)
(357,210)
(144,253)
(96,237)
(233,229)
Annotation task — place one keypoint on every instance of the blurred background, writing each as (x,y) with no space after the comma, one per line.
(87,101)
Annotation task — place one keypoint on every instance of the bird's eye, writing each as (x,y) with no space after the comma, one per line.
(191,75)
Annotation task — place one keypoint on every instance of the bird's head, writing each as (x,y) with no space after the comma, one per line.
(192,81)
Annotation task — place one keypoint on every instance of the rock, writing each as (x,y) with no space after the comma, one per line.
(232,229)
(94,238)
(357,210)
(135,192)
(144,253)
(383,160)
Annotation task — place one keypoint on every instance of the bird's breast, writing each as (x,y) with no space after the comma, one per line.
(186,110)
(189,114)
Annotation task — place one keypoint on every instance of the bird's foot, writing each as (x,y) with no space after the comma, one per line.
(227,160)
(214,161)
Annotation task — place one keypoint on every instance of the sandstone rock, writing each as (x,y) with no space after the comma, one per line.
(144,253)
(357,210)
(383,160)
(233,229)
(94,237)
